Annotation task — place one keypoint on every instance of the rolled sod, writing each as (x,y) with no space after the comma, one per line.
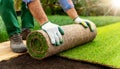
(39,45)
(104,50)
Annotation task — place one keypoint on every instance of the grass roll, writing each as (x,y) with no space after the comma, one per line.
(39,45)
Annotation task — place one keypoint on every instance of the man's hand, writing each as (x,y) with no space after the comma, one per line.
(55,33)
(85,23)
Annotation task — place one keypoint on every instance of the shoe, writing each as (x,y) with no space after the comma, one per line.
(25,32)
(17,44)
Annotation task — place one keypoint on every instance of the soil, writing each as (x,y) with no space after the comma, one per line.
(53,62)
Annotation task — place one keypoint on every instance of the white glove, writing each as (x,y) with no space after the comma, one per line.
(55,33)
(85,23)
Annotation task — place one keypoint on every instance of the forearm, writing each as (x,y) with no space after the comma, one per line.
(68,7)
(37,11)
(72,13)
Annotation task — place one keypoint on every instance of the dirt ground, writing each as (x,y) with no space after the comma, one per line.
(53,62)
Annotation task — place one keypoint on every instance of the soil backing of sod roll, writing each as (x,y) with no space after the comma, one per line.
(39,45)
(104,50)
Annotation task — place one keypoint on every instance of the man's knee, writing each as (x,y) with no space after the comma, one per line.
(66,5)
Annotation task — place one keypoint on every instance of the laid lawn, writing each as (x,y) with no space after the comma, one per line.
(104,50)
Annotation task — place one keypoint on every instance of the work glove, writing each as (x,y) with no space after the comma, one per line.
(85,23)
(55,33)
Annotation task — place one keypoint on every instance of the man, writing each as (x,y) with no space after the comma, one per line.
(34,7)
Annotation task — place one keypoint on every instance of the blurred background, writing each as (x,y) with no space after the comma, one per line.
(83,7)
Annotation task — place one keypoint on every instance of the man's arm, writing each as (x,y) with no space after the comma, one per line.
(68,7)
(54,31)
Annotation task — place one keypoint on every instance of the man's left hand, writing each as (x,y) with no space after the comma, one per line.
(85,23)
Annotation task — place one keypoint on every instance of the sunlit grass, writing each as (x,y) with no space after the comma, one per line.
(104,50)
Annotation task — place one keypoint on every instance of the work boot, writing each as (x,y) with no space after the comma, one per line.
(16,44)
(25,32)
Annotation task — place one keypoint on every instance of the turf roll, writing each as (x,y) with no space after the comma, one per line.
(39,46)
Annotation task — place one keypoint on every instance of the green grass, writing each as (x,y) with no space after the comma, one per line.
(98,20)
(104,50)
(37,45)
(3,33)
(64,20)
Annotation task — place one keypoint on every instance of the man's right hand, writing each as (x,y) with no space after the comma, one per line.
(55,33)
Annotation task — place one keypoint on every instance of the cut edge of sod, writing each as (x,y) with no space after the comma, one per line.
(92,62)
(37,45)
